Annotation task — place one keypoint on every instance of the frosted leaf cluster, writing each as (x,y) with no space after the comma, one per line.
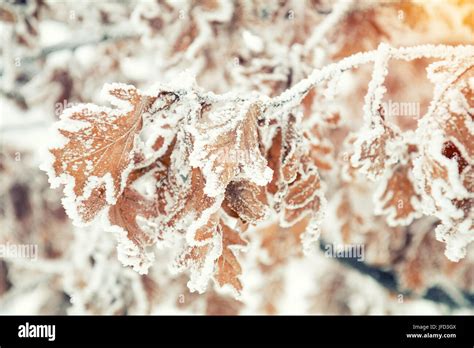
(244,147)
(214,175)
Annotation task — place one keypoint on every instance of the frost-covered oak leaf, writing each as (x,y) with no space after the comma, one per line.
(228,266)
(376,142)
(248,200)
(291,150)
(296,184)
(374,149)
(212,256)
(123,215)
(274,158)
(97,154)
(227,145)
(284,156)
(322,151)
(397,196)
(200,259)
(445,167)
(304,197)
(193,207)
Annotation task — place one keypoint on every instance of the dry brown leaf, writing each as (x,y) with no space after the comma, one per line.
(397,197)
(291,150)
(200,259)
(124,214)
(247,200)
(226,144)
(99,151)
(372,154)
(191,204)
(228,267)
(212,256)
(302,198)
(273,157)
(445,168)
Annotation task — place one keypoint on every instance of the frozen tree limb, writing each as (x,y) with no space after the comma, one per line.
(293,96)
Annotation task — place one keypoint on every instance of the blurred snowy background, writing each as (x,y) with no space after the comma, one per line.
(57,53)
